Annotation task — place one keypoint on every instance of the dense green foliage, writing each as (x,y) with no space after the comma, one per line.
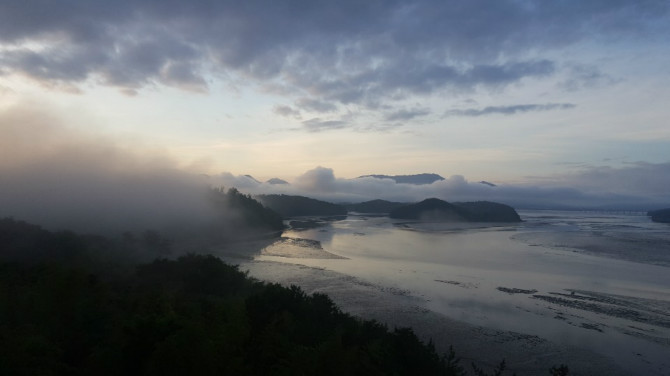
(82,305)
(60,314)
(27,243)
(434,209)
(194,315)
(296,206)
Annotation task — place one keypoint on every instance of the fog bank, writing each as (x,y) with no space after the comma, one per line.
(61,178)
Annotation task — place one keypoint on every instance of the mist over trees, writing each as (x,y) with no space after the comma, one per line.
(70,308)
(243,212)
(486,211)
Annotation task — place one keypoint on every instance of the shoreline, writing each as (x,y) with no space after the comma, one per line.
(524,354)
(486,293)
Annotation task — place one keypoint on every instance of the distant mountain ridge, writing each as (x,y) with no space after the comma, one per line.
(274,181)
(417,179)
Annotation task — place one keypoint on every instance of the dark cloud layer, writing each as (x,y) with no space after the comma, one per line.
(328,53)
(405,115)
(287,111)
(509,110)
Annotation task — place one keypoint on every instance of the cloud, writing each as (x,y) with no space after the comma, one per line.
(183,75)
(581,76)
(226,179)
(405,115)
(287,111)
(330,53)
(318,125)
(314,105)
(319,179)
(401,78)
(509,110)
(61,178)
(643,179)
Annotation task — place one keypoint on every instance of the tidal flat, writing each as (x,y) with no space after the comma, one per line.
(588,290)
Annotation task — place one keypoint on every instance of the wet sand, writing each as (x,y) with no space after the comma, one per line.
(524,354)
(484,291)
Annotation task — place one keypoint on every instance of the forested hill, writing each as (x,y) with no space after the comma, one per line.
(374,206)
(67,310)
(296,206)
(247,211)
(434,209)
(487,211)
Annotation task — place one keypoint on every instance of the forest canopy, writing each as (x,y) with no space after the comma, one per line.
(66,311)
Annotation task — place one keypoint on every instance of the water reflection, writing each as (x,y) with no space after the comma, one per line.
(459,269)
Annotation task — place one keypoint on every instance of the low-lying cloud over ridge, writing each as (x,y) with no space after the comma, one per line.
(61,178)
(592,188)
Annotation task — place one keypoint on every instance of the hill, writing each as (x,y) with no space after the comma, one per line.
(238,217)
(296,206)
(250,213)
(486,211)
(431,209)
(418,179)
(274,181)
(434,209)
(253,178)
(67,315)
(374,206)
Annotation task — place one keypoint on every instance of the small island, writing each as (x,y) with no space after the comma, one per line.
(434,209)
(374,206)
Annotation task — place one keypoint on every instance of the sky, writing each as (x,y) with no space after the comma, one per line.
(538,97)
